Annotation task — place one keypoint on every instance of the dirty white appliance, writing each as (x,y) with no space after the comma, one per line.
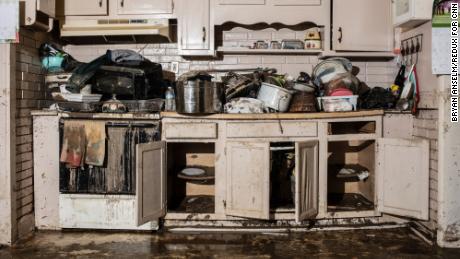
(108,197)
(410,13)
(111,28)
(111,196)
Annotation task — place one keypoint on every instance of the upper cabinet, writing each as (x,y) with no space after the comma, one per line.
(274,2)
(115,9)
(38,14)
(195,32)
(85,7)
(297,2)
(242,2)
(144,6)
(362,25)
(288,12)
(410,13)
(47,7)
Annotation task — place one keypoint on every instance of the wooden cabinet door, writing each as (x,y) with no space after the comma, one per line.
(297,2)
(306,180)
(150,181)
(403,177)
(242,2)
(85,7)
(47,6)
(362,25)
(195,25)
(145,6)
(248,179)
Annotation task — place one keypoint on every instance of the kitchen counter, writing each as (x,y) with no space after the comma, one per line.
(220,116)
(277,116)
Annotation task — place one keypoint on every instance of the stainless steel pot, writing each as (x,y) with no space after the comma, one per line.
(198,97)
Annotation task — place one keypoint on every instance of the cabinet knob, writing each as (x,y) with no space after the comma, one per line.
(122,3)
(204,34)
(340,35)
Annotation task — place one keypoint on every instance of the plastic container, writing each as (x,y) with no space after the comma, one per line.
(338,103)
(52,63)
(170,104)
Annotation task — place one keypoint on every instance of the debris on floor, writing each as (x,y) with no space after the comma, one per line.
(384,243)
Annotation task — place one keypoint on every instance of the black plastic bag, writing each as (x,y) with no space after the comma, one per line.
(378,98)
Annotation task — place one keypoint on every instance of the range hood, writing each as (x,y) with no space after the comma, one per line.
(120,29)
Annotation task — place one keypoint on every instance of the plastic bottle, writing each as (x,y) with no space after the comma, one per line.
(170,97)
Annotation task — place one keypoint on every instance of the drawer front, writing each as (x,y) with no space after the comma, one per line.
(272,129)
(190,130)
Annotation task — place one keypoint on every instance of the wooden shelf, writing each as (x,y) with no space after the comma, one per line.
(322,54)
(380,55)
(230,50)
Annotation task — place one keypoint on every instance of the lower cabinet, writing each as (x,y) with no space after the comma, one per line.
(395,179)
(279,178)
(150,181)
(259,183)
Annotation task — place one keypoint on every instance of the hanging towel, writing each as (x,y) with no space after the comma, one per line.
(95,143)
(74,144)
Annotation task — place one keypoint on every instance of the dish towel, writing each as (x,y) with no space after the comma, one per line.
(95,142)
(74,144)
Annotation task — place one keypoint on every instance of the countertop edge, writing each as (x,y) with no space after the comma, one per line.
(275,116)
(221,116)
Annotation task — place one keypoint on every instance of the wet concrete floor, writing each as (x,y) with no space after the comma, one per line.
(388,243)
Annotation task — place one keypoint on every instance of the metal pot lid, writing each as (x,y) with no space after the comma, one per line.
(194,75)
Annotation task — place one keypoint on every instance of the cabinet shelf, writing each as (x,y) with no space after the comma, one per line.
(231,50)
(366,54)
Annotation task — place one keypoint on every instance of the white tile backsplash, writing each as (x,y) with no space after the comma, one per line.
(375,73)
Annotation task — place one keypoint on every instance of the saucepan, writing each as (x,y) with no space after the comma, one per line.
(275,97)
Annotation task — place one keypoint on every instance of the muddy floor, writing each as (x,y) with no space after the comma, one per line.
(390,243)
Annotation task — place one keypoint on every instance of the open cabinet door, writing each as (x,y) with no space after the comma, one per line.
(306,180)
(248,180)
(150,182)
(403,177)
